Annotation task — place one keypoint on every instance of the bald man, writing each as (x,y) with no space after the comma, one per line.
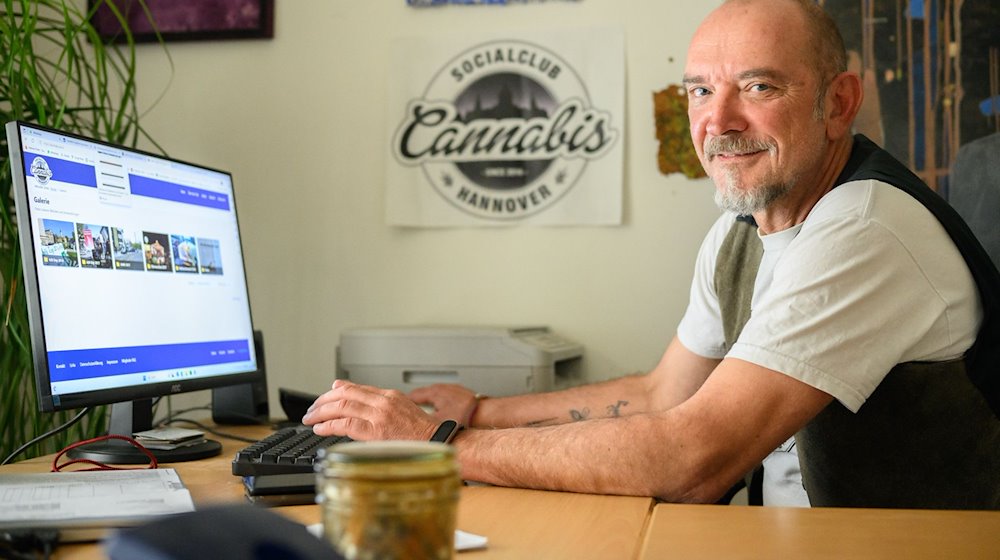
(827,334)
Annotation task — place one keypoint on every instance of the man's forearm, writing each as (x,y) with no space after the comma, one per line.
(637,455)
(607,399)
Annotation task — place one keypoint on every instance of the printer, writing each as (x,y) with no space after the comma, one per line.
(495,361)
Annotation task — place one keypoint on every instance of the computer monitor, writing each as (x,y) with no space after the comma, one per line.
(134,278)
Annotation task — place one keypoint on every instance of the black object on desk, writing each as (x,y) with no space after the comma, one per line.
(280,489)
(295,403)
(278,470)
(286,451)
(220,533)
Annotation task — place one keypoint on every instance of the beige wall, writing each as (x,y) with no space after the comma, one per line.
(300,121)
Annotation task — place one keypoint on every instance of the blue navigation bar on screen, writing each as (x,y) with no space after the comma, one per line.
(157,188)
(69,365)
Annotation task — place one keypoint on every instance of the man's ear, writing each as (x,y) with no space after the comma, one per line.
(843,101)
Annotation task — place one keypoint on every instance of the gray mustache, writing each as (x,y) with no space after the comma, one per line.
(736,145)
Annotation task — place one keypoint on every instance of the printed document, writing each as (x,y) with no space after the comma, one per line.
(82,503)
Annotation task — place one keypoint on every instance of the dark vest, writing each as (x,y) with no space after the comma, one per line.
(929,435)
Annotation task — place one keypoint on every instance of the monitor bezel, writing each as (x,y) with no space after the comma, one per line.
(47,402)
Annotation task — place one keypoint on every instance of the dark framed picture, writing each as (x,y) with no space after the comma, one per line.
(185,20)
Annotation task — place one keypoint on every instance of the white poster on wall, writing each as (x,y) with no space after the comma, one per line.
(508,129)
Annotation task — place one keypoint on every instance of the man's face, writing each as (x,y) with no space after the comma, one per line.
(752,105)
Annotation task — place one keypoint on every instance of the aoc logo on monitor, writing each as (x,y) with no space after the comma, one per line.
(503,130)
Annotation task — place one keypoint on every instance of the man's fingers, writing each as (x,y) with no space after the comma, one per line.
(364,412)
(336,406)
(354,428)
(372,396)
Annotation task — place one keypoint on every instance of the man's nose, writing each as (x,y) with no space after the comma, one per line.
(726,115)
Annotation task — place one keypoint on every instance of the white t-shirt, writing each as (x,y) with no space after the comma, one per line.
(870,279)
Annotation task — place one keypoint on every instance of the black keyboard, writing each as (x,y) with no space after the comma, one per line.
(286,451)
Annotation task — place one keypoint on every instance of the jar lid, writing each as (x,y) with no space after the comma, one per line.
(386,460)
(386,451)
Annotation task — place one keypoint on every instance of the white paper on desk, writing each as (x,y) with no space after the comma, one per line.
(469,541)
(127,496)
(463,540)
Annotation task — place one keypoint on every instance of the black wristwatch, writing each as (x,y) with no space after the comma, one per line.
(446,431)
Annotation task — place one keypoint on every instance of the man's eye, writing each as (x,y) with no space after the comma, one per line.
(760,87)
(698,92)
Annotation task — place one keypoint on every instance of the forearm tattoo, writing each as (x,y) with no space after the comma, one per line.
(615,410)
(576,415)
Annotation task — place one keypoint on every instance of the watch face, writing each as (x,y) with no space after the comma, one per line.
(445,431)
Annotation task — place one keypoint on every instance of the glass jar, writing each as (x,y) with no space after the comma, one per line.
(389,499)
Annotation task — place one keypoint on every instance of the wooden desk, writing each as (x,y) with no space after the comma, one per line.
(522,524)
(555,525)
(711,532)
(518,523)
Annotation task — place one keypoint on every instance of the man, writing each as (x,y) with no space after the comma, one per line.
(799,310)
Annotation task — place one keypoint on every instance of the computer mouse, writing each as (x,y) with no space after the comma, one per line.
(236,532)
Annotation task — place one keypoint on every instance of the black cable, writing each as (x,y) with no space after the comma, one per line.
(171,420)
(47,434)
(47,540)
(173,415)
(174,418)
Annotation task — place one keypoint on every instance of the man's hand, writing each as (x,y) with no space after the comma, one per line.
(362,413)
(450,401)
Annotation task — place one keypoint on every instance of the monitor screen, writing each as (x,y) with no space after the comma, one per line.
(133,271)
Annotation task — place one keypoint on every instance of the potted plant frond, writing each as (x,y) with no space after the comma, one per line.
(58,72)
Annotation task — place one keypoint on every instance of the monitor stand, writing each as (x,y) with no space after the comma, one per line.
(128,418)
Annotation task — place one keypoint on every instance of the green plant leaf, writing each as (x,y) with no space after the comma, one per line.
(57,72)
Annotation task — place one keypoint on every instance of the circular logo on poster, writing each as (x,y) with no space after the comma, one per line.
(504,130)
(40,170)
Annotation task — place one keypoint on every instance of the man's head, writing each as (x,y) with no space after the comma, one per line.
(768,98)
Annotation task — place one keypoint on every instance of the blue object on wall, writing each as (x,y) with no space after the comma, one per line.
(990,106)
